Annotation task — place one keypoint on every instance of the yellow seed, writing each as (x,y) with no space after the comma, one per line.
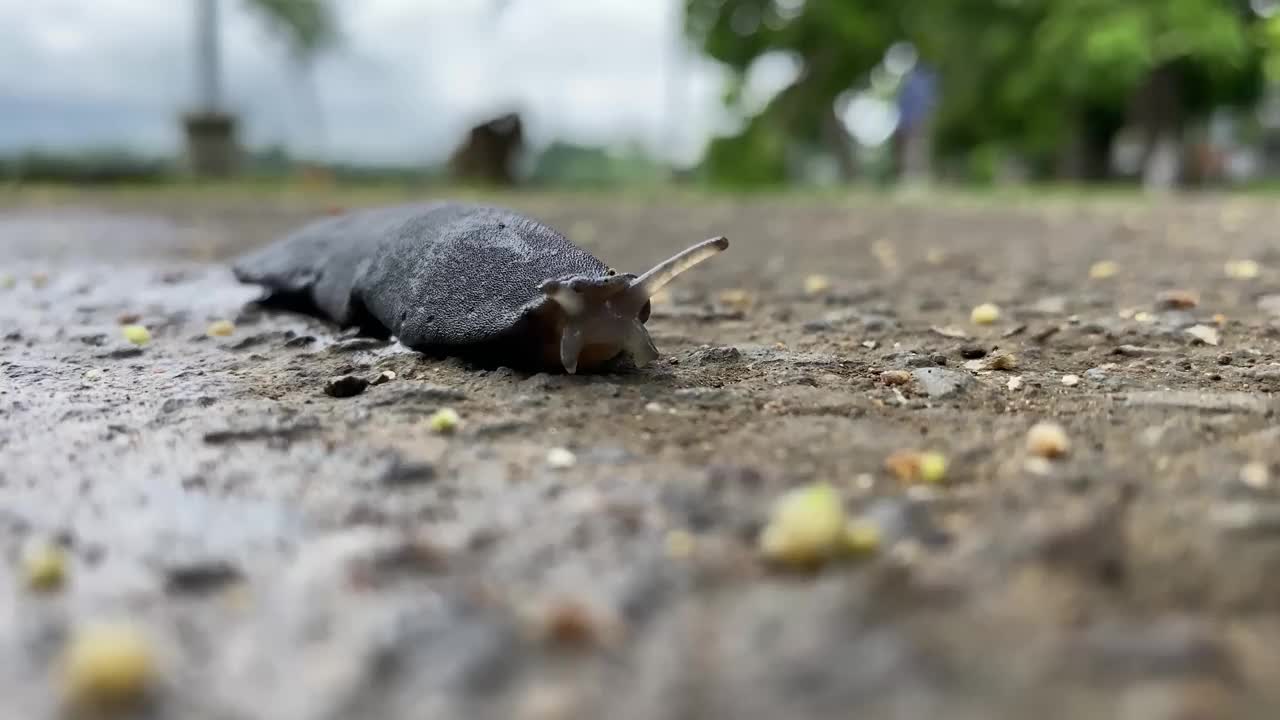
(806,527)
(137,334)
(861,537)
(45,567)
(1144,317)
(1048,440)
(1103,269)
(736,299)
(933,467)
(680,544)
(221,328)
(1241,269)
(8,282)
(108,663)
(816,284)
(984,314)
(444,421)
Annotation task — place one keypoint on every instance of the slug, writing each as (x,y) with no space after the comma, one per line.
(473,281)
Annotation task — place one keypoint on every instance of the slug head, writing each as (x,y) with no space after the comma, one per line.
(602,316)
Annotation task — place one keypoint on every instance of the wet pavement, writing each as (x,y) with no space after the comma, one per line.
(588,547)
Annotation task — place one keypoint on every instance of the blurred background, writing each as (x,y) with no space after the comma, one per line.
(624,93)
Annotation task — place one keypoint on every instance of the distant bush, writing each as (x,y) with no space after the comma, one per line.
(85,168)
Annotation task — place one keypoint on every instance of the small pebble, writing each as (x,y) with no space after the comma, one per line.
(560,458)
(545,701)
(92,374)
(999,361)
(912,466)
(1002,361)
(108,664)
(1014,384)
(1070,380)
(345,386)
(1038,466)
(444,421)
(1047,440)
(680,544)
(806,527)
(1255,475)
(1103,269)
(1177,300)
(984,314)
(385,376)
(654,407)
(895,377)
(39,280)
(136,334)
(569,623)
(220,328)
(45,566)
(1204,334)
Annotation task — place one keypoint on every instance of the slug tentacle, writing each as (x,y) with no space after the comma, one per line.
(644,287)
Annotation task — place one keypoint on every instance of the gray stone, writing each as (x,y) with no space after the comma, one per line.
(940,383)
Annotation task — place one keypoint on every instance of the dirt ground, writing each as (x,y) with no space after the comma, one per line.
(290,555)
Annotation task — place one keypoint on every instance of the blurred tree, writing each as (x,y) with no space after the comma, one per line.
(307,27)
(837,43)
(1060,78)
(1052,81)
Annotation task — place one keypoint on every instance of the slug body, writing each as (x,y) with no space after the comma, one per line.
(467,280)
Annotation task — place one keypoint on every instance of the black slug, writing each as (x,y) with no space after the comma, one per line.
(473,281)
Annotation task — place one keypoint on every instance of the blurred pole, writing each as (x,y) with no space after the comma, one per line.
(212,150)
(208,70)
(675,84)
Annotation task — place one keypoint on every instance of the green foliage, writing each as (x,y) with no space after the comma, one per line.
(566,165)
(754,157)
(1028,76)
(94,167)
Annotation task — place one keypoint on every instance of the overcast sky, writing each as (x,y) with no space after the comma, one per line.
(411,76)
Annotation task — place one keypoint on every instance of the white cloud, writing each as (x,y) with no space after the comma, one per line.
(411,76)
